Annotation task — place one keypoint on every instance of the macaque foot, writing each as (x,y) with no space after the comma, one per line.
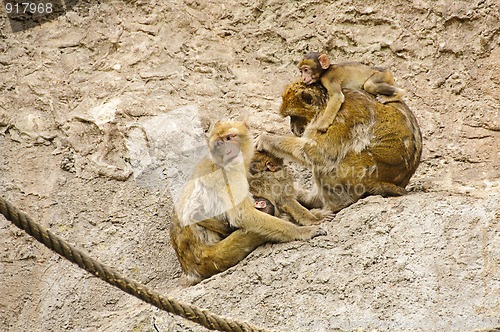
(321,128)
(322,214)
(396,96)
(320,125)
(311,221)
(388,99)
(329,217)
(317,231)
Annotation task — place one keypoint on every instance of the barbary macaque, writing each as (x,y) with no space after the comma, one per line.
(270,181)
(373,148)
(264,205)
(216,200)
(334,77)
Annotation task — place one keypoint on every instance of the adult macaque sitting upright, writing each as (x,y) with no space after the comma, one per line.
(215,224)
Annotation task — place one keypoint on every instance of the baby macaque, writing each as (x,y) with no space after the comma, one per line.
(334,77)
(264,205)
(271,184)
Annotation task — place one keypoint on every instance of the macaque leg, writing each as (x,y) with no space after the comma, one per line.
(337,204)
(309,199)
(216,226)
(228,252)
(381,84)
(299,213)
(340,200)
(387,189)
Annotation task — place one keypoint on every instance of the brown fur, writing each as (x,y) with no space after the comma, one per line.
(218,193)
(271,180)
(370,149)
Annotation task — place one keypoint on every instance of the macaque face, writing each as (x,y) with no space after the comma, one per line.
(226,149)
(307,75)
(264,205)
(263,162)
(310,71)
(298,125)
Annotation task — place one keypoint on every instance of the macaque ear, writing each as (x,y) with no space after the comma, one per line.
(324,61)
(271,166)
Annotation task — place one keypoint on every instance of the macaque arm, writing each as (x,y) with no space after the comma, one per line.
(309,199)
(229,251)
(331,84)
(335,100)
(300,214)
(270,227)
(216,226)
(307,151)
(287,147)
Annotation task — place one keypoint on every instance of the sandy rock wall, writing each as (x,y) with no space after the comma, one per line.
(86,103)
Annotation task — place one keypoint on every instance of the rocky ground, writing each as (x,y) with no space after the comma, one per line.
(103,108)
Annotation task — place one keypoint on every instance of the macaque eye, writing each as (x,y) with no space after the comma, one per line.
(304,70)
(230,137)
(307,97)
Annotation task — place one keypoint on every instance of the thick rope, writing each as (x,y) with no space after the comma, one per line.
(63,248)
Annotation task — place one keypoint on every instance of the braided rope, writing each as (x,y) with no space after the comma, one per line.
(63,248)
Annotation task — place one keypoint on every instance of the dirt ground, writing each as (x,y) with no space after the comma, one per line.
(99,107)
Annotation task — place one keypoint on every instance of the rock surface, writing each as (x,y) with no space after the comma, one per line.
(102,114)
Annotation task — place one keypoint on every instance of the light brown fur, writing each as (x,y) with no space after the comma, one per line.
(219,192)
(371,149)
(316,67)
